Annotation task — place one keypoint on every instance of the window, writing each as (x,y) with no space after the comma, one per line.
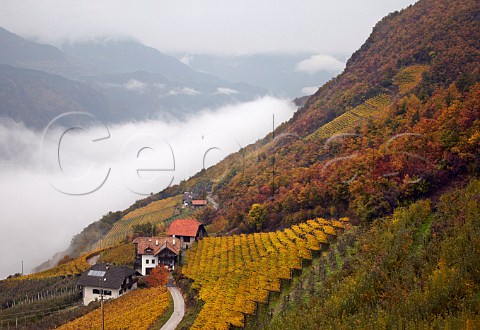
(105,292)
(147,261)
(186,239)
(153,261)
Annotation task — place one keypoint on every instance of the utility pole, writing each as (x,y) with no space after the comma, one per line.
(22,267)
(101,302)
(273,159)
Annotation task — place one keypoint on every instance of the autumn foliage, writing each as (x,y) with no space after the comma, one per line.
(137,309)
(234,273)
(158,277)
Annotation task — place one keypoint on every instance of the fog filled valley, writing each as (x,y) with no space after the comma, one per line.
(50,204)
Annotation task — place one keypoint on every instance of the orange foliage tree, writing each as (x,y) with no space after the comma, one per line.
(158,277)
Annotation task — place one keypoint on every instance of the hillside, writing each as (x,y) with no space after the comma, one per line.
(415,269)
(35,97)
(19,52)
(411,148)
(417,142)
(442,34)
(158,213)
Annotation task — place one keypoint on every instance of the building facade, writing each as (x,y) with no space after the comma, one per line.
(153,251)
(105,280)
(187,231)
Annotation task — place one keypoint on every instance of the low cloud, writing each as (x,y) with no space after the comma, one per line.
(186,59)
(316,63)
(135,85)
(184,91)
(225,91)
(309,90)
(41,220)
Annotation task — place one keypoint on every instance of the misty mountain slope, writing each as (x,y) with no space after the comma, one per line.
(35,97)
(122,81)
(18,51)
(278,73)
(123,56)
(127,56)
(152,95)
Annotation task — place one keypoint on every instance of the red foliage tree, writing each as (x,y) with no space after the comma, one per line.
(158,277)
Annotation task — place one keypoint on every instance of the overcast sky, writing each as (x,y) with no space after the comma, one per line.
(205,26)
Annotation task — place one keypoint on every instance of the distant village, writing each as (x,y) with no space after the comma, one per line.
(105,281)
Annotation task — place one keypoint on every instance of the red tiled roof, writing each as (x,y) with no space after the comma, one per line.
(184,227)
(151,242)
(199,202)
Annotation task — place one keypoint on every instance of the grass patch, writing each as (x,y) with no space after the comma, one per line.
(191,313)
(160,322)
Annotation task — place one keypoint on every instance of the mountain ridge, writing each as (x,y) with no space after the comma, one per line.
(109,71)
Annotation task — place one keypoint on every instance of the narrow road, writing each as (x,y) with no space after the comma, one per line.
(93,260)
(212,201)
(178,308)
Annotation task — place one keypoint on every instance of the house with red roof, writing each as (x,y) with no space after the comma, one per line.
(154,251)
(199,202)
(187,231)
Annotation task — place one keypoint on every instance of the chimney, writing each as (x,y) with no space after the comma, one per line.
(173,242)
(156,242)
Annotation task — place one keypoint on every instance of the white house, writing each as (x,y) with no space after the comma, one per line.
(154,251)
(112,281)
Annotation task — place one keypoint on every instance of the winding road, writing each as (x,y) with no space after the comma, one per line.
(178,308)
(212,201)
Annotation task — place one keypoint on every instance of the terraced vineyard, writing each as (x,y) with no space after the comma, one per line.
(138,309)
(122,254)
(234,273)
(74,267)
(409,77)
(29,300)
(349,119)
(156,213)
